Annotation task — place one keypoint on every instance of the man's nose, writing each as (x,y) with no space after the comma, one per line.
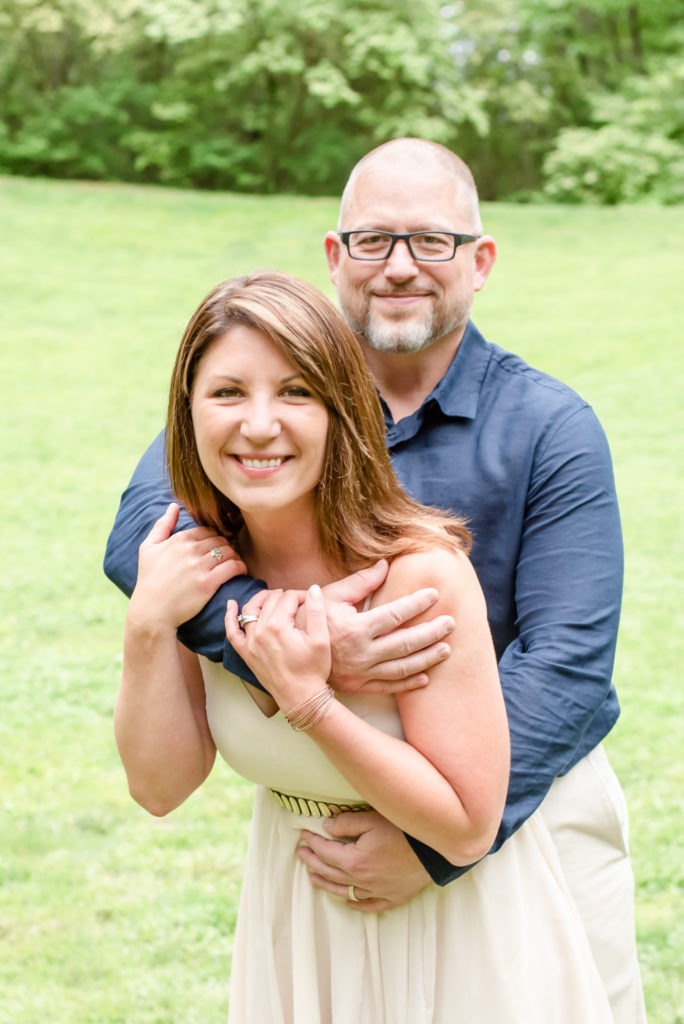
(400,264)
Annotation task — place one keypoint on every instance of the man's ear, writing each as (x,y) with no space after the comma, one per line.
(485,257)
(332,252)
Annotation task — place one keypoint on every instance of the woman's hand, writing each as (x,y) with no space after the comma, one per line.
(292,663)
(178,573)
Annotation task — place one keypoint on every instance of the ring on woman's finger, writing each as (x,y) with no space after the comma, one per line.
(244,619)
(217,554)
(352,895)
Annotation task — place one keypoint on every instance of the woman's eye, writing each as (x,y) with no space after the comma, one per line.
(227,393)
(297,391)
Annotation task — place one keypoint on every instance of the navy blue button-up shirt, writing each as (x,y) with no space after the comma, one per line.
(525,459)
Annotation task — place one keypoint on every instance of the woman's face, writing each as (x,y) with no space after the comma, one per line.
(260,430)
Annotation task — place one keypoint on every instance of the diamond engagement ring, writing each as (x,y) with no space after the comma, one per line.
(217,554)
(244,619)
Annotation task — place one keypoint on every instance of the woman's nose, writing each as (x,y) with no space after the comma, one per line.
(260,422)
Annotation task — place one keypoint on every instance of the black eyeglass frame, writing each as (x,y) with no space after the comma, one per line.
(458,238)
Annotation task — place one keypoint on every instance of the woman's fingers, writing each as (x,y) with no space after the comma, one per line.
(164,526)
(316,618)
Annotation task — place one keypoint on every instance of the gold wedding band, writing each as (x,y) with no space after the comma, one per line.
(352,895)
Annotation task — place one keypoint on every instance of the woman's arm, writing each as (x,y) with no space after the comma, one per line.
(160,719)
(446,784)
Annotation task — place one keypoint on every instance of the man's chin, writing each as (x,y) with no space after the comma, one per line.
(398,337)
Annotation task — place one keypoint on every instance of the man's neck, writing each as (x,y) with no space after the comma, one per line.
(406,379)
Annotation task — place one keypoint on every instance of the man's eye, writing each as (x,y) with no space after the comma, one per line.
(432,241)
(368,241)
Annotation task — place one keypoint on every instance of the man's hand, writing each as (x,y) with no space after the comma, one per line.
(378,861)
(373,652)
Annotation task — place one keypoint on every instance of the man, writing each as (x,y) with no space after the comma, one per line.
(473,428)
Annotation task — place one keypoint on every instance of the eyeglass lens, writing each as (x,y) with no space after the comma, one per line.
(376,245)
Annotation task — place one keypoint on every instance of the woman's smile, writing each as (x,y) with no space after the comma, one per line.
(261,462)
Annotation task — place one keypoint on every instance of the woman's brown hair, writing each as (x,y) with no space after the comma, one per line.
(362,512)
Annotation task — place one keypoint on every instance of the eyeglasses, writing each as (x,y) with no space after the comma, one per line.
(424,246)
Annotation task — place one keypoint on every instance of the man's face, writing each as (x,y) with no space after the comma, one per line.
(398,304)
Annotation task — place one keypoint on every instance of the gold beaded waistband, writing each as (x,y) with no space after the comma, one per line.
(314,808)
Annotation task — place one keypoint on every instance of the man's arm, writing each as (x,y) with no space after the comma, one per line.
(556,675)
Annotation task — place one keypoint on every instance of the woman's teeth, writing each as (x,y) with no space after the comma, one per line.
(262,463)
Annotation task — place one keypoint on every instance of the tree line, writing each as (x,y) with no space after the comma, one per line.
(575,100)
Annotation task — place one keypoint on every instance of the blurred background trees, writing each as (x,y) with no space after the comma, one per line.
(578,100)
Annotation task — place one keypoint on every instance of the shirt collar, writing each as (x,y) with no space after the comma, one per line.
(459,389)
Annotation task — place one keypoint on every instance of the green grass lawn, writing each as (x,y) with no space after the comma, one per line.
(108,916)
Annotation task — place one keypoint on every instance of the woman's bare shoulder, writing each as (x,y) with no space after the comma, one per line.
(448,570)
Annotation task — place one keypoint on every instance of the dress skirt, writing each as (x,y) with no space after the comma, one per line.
(503,944)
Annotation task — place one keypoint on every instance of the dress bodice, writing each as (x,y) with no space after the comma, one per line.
(269,752)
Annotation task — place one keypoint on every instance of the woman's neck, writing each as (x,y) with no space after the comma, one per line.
(285,553)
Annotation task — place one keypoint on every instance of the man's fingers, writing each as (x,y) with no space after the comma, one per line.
(398,672)
(322,857)
(380,688)
(389,617)
(389,677)
(349,824)
(355,588)
(411,641)
(362,902)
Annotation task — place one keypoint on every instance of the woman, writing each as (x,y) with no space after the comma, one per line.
(276,443)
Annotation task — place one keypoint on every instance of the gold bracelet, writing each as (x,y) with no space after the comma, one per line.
(307,714)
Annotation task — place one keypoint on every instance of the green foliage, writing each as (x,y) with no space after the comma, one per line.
(266,96)
(541,68)
(284,95)
(635,150)
(614,164)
